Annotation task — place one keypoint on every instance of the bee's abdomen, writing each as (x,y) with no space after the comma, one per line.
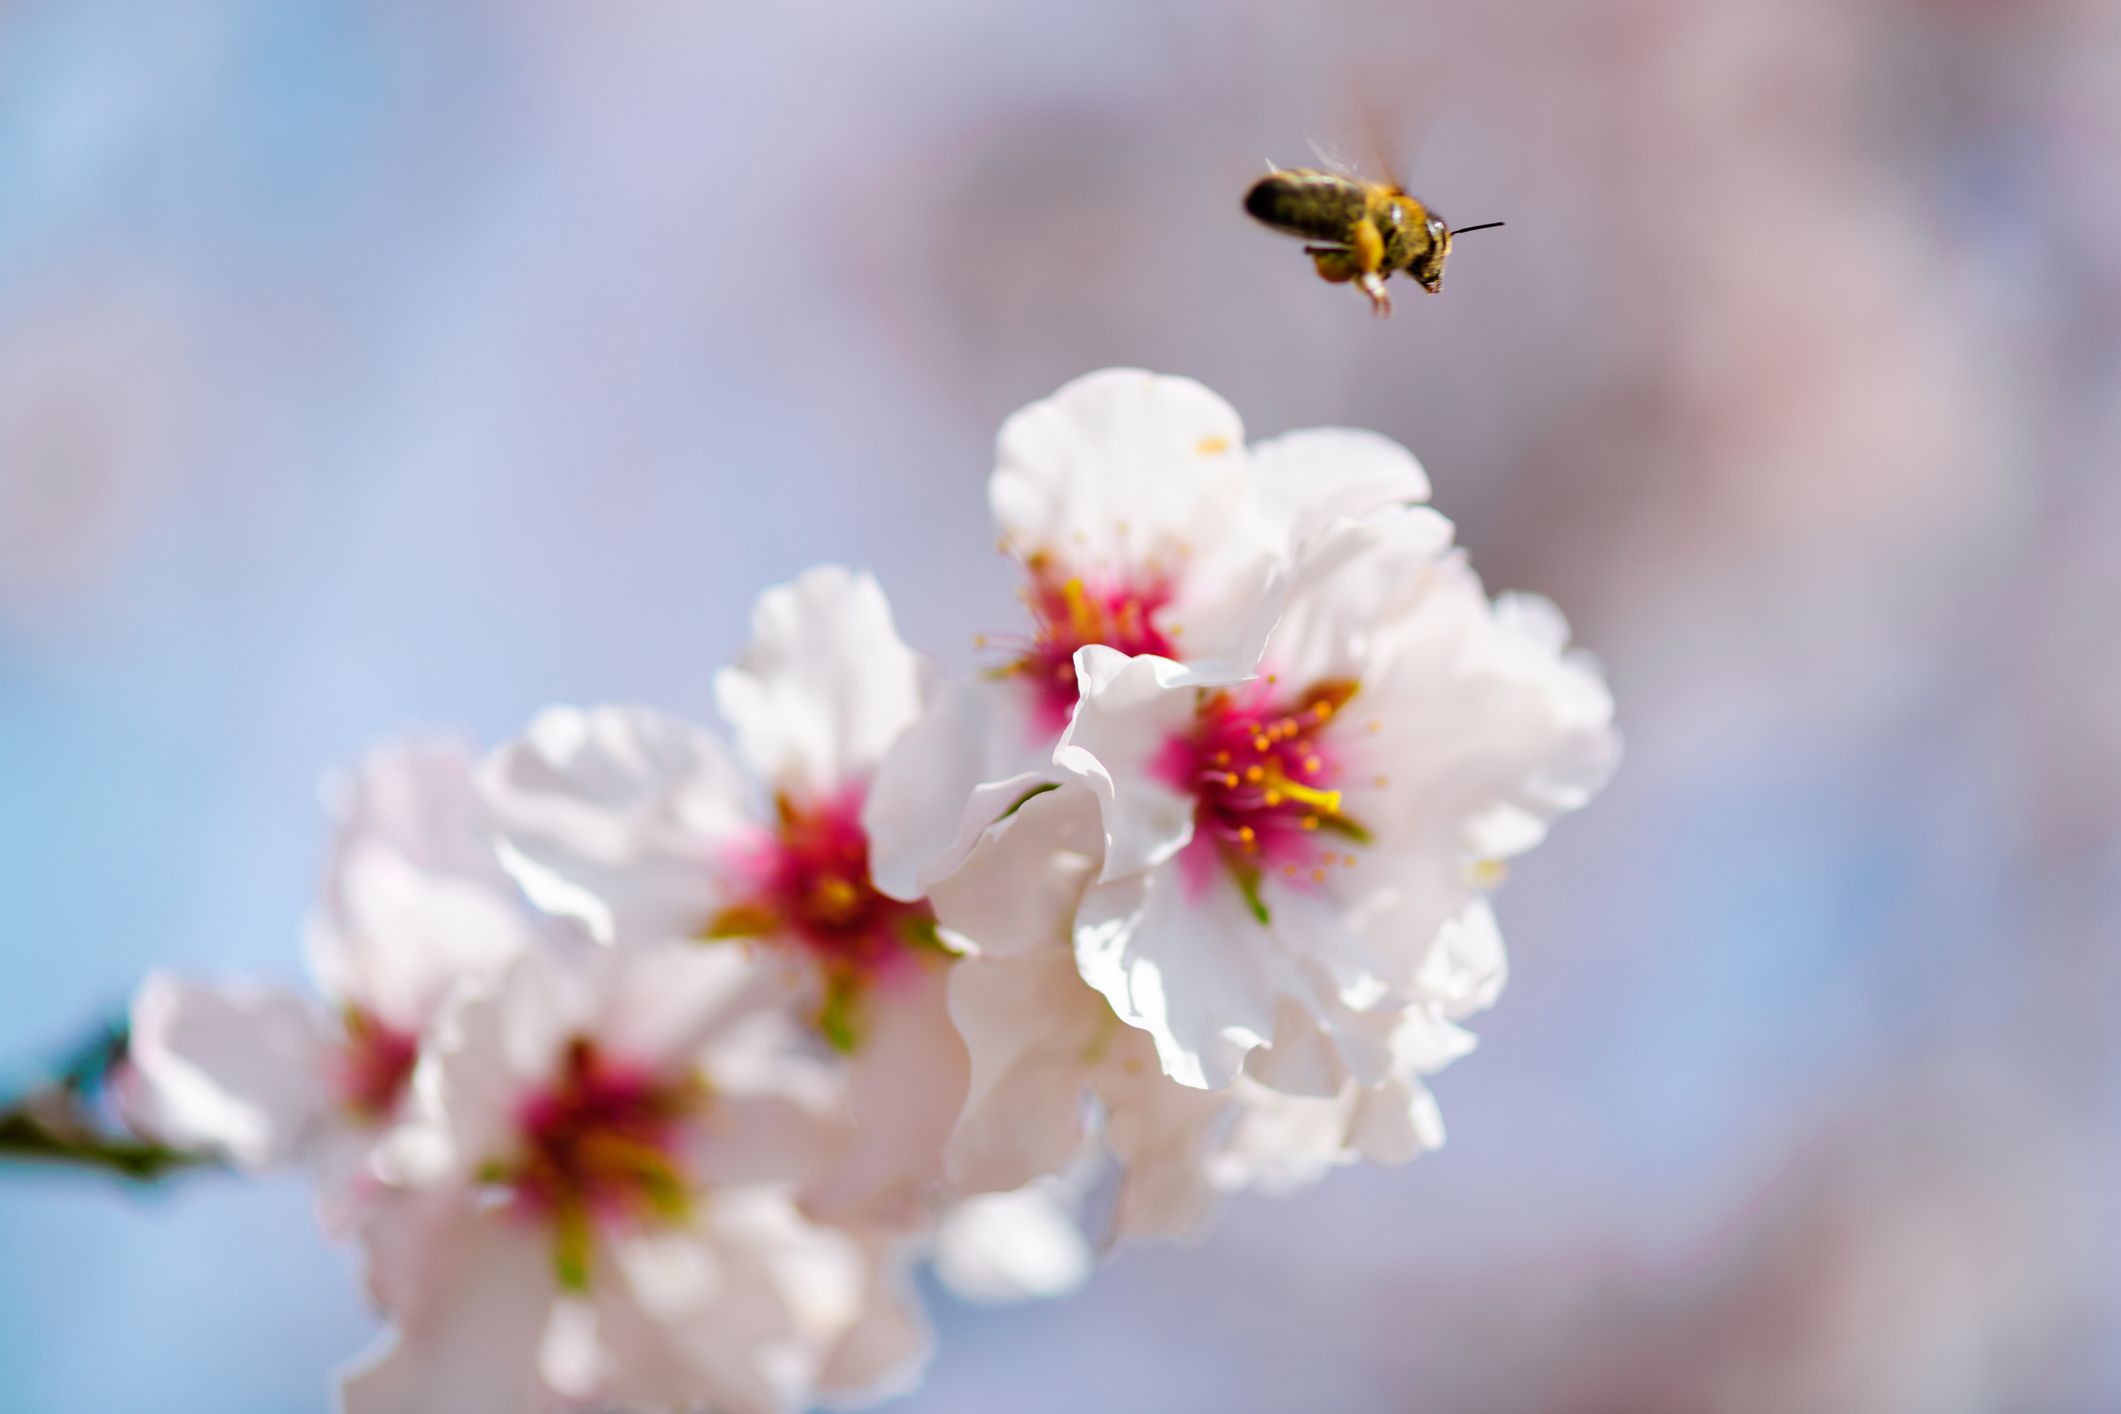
(1317,205)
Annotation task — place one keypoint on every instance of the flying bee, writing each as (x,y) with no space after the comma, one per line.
(1356,230)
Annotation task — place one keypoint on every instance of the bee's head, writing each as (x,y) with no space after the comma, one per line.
(1428,269)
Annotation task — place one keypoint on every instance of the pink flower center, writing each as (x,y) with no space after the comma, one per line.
(1265,785)
(374,1065)
(1070,613)
(808,882)
(600,1143)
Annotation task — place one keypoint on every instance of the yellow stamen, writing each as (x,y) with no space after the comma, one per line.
(1082,614)
(1487,873)
(1325,801)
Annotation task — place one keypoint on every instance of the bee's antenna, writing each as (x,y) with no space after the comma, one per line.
(1483,226)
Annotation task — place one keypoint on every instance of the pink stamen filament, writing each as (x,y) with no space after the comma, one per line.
(1069,612)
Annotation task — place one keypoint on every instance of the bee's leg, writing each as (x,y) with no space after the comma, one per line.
(1368,248)
(1335,266)
(1373,285)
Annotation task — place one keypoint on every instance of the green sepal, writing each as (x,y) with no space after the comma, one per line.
(1248,878)
(1341,825)
(837,1019)
(571,1246)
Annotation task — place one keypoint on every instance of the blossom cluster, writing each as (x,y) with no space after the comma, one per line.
(648,1062)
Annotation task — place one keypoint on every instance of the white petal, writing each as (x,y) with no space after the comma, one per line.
(1130,712)
(1466,967)
(1005,1247)
(1161,1132)
(1396,1123)
(660,1004)
(468,1333)
(1279,1143)
(242,1070)
(1116,466)
(1033,1032)
(415,896)
(684,1319)
(1199,975)
(882,1352)
(491,1047)
(1302,1058)
(1311,478)
(906,1083)
(1018,890)
(618,816)
(1354,581)
(1489,732)
(949,777)
(825,686)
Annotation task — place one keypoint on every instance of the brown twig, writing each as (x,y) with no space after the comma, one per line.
(66,1121)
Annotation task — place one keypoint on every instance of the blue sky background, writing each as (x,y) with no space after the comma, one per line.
(366,368)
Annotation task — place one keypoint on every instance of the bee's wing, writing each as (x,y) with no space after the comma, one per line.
(1333,159)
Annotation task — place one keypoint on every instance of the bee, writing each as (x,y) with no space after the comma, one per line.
(1356,230)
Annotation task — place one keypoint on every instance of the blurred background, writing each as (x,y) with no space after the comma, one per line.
(367,367)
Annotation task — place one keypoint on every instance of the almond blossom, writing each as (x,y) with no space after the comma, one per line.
(650,829)
(414,902)
(1242,906)
(648,1066)
(1042,1042)
(1284,846)
(1142,521)
(593,1204)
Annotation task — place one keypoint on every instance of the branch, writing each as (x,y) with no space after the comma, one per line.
(67,1121)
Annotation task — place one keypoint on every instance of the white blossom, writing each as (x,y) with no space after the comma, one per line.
(1043,1043)
(1285,847)
(414,902)
(650,829)
(1141,521)
(592,1204)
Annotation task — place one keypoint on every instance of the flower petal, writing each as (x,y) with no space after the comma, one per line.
(1115,465)
(1019,1246)
(415,896)
(1312,478)
(825,686)
(1131,710)
(1166,963)
(1161,1133)
(616,816)
(241,1070)
(1018,890)
(946,781)
(906,1083)
(1032,1031)
(469,1343)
